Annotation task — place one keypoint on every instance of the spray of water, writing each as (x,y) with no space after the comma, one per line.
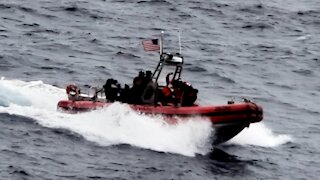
(259,135)
(118,124)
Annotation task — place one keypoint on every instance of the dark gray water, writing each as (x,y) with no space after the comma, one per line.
(267,51)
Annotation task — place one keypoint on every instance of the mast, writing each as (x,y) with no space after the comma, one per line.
(179,42)
(157,72)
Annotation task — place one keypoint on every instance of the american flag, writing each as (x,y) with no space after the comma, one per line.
(151,45)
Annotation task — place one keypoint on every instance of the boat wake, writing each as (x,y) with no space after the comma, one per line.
(118,124)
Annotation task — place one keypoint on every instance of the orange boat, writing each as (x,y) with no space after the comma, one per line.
(175,100)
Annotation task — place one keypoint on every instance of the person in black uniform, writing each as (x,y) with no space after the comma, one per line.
(136,91)
(111,89)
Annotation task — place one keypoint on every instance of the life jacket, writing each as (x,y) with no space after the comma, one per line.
(178,94)
(166,91)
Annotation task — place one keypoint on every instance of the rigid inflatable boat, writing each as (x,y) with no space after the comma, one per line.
(175,100)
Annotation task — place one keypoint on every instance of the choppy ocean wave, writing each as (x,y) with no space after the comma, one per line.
(264,51)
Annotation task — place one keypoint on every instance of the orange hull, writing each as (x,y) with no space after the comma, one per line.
(227,120)
(241,112)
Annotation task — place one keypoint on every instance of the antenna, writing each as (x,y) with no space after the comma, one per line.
(179,42)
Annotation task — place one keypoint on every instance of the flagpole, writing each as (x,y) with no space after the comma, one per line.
(161,43)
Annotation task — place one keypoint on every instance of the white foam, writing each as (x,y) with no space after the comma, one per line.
(35,93)
(259,135)
(8,95)
(116,124)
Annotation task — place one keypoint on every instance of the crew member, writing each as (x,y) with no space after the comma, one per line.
(189,94)
(72,92)
(137,89)
(111,89)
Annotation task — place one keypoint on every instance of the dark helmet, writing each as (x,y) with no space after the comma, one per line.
(141,74)
(148,74)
